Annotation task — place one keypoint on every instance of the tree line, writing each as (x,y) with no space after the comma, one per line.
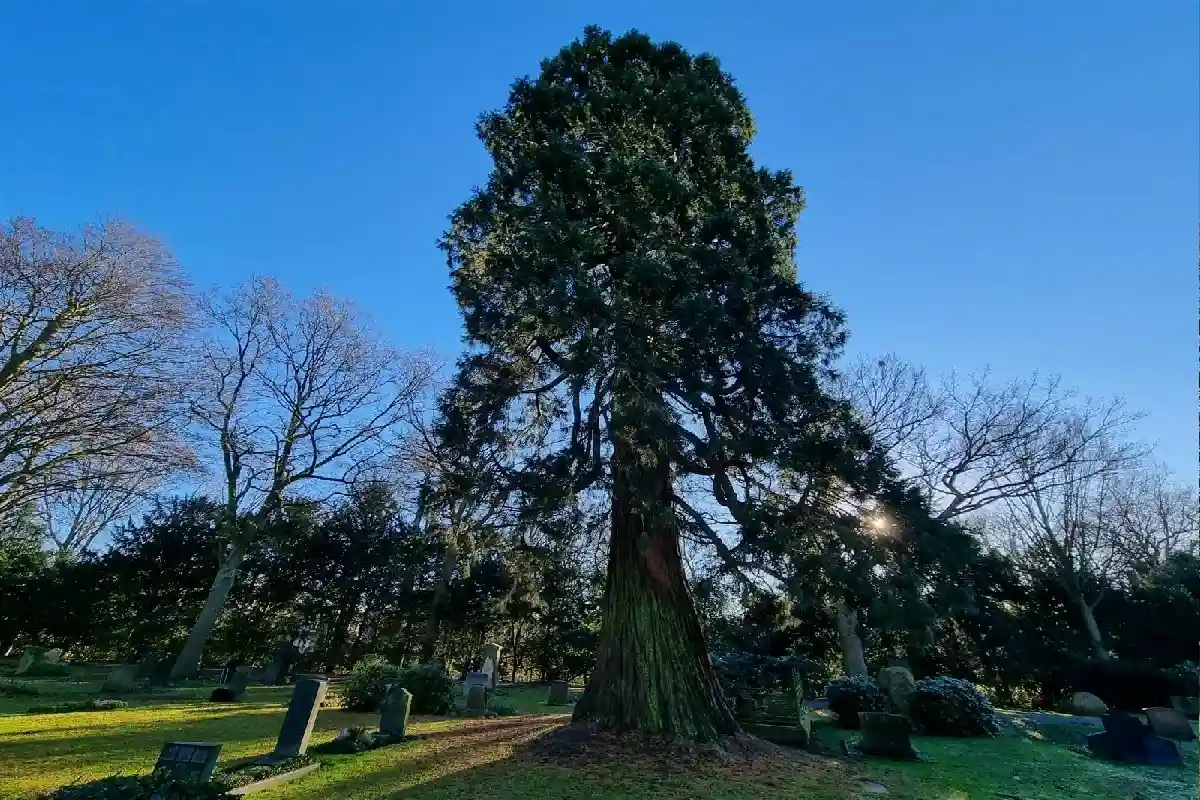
(651,445)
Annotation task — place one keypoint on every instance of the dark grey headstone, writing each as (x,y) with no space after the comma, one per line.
(560,694)
(301,715)
(279,671)
(477,699)
(886,735)
(1188,706)
(1169,724)
(475,679)
(1128,740)
(187,759)
(393,711)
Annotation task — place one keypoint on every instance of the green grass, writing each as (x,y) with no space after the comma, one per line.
(483,758)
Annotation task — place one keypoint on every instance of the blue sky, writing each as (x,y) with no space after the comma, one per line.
(1010,184)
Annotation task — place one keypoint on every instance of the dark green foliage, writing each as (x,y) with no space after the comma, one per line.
(222,694)
(502,710)
(367,684)
(356,740)
(431,688)
(18,689)
(162,785)
(850,694)
(251,772)
(948,706)
(96,704)
(1127,685)
(47,669)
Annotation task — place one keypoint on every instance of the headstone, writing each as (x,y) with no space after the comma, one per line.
(560,694)
(1169,724)
(147,668)
(393,711)
(188,759)
(475,679)
(301,714)
(477,701)
(279,671)
(121,680)
(31,657)
(1188,706)
(1084,704)
(886,735)
(491,664)
(899,687)
(1128,740)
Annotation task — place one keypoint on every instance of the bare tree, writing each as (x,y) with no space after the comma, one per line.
(292,394)
(1063,522)
(76,515)
(91,331)
(894,400)
(1154,516)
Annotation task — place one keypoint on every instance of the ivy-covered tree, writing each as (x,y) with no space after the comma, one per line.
(635,331)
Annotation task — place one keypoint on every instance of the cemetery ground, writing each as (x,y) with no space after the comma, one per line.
(498,757)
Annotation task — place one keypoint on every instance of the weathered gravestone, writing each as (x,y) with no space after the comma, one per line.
(301,715)
(899,688)
(1169,724)
(475,679)
(477,701)
(279,671)
(29,659)
(189,759)
(234,689)
(393,711)
(1188,706)
(886,735)
(560,694)
(121,680)
(1127,739)
(491,664)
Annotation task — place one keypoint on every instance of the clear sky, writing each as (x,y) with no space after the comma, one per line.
(1008,183)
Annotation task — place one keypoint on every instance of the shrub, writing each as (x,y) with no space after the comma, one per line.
(850,694)
(18,689)
(252,772)
(1129,685)
(502,710)
(162,785)
(47,669)
(367,683)
(951,707)
(98,704)
(431,688)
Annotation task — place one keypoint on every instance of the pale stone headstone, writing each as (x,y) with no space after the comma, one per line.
(1169,724)
(31,656)
(885,735)
(560,694)
(122,679)
(491,663)
(899,688)
(301,715)
(189,759)
(477,700)
(475,679)
(1085,704)
(393,711)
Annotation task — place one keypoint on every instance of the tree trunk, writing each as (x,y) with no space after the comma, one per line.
(188,663)
(653,671)
(853,660)
(433,622)
(1093,630)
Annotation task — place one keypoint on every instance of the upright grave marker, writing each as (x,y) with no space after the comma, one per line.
(475,679)
(477,701)
(301,715)
(393,711)
(885,735)
(491,664)
(188,759)
(560,694)
(1127,739)
(1169,724)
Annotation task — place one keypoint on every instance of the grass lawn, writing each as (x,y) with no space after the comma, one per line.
(486,758)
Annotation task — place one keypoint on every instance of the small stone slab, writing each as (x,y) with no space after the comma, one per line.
(477,699)
(300,718)
(274,780)
(886,735)
(187,759)
(786,735)
(1169,724)
(560,694)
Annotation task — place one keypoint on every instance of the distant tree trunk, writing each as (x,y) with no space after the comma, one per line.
(853,660)
(1093,630)
(653,671)
(188,663)
(433,621)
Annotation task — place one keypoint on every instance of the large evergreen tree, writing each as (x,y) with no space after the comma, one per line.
(635,330)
